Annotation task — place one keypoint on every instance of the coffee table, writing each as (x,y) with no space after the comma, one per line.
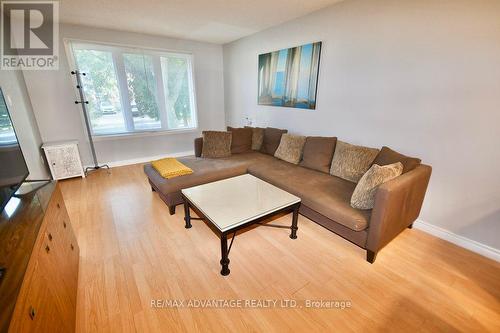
(235,203)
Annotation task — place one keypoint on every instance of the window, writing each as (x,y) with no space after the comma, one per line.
(7,135)
(135,90)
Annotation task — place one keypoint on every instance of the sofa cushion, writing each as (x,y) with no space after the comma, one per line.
(216,144)
(350,162)
(363,196)
(242,139)
(198,146)
(257,137)
(290,148)
(318,153)
(272,138)
(388,156)
(329,196)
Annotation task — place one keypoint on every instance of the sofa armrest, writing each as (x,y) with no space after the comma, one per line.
(198,146)
(397,206)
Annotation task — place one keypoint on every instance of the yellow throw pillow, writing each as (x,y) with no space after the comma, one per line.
(169,167)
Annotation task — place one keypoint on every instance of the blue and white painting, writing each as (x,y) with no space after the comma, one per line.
(289,77)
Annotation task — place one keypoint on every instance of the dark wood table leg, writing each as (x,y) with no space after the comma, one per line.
(225,255)
(187,214)
(295,218)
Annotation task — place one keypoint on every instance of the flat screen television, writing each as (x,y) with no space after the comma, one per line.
(13,168)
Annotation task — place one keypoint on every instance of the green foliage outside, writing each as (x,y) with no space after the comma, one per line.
(100,82)
(142,84)
(178,92)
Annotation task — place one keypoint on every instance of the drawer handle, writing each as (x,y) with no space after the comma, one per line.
(32,313)
(2,273)
(64,224)
(50,236)
(58,205)
(47,248)
(72,247)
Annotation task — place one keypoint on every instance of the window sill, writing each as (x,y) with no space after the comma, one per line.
(107,137)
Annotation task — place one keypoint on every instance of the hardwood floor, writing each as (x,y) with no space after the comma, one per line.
(132,252)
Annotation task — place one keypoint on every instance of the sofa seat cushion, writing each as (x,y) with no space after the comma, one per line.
(204,171)
(328,195)
(252,157)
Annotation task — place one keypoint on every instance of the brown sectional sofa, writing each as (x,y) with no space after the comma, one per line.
(325,198)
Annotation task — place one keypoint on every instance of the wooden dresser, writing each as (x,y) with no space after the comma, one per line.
(39,258)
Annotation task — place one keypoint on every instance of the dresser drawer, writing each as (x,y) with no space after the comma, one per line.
(46,301)
(60,242)
(41,308)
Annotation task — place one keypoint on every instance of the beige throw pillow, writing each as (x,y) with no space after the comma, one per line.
(216,144)
(363,196)
(290,148)
(350,162)
(257,137)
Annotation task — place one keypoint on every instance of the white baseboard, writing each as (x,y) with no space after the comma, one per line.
(143,159)
(461,241)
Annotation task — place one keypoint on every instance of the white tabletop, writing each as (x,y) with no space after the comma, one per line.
(235,201)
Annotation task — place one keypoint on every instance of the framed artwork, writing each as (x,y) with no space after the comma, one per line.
(289,77)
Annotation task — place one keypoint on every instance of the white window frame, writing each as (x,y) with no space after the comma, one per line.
(117,50)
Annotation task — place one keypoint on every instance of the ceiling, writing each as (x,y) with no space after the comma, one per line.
(215,21)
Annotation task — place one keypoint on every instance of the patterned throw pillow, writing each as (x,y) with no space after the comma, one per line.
(257,137)
(350,162)
(363,196)
(290,148)
(216,144)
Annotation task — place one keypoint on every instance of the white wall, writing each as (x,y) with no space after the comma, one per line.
(19,105)
(422,77)
(52,94)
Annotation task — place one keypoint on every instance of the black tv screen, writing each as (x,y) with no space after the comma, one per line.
(13,168)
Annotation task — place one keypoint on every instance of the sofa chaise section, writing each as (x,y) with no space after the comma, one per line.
(205,171)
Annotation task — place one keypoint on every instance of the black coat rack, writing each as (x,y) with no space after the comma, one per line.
(84,104)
